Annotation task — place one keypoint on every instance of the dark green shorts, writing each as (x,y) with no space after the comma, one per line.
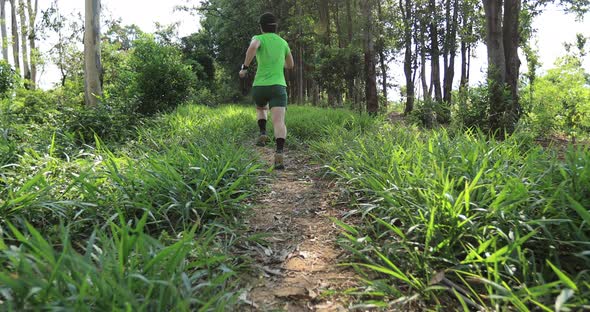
(274,96)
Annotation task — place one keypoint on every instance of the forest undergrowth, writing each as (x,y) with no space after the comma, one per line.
(442,218)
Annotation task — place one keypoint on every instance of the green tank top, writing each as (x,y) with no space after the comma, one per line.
(271,60)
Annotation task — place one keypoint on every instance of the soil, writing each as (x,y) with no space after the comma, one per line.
(297,258)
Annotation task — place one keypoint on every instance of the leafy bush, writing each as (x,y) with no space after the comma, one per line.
(560,101)
(204,96)
(7,78)
(162,81)
(472,107)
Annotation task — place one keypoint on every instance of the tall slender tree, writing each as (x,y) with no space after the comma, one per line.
(34,53)
(381,50)
(92,62)
(15,43)
(406,10)
(435,51)
(24,32)
(3,30)
(370,72)
(450,48)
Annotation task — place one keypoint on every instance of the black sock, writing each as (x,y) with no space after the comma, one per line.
(280,145)
(262,126)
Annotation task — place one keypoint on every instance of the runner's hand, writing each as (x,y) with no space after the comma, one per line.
(243,73)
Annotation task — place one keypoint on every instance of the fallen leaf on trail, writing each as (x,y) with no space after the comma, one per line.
(244,298)
(437,278)
(276,272)
(312,294)
(267,251)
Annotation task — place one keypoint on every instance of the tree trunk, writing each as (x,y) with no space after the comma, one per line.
(24,32)
(300,75)
(324,11)
(338,27)
(3,30)
(349,19)
(467,30)
(464,82)
(511,42)
(15,43)
(494,39)
(435,53)
(32,41)
(425,88)
(370,72)
(406,9)
(92,64)
(325,21)
(382,58)
(503,64)
(449,74)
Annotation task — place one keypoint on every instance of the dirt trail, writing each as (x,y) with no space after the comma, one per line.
(297,263)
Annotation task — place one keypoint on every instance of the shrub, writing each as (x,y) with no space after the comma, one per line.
(560,100)
(472,107)
(7,78)
(162,81)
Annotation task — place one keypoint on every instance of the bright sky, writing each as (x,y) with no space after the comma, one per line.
(143,13)
(554,28)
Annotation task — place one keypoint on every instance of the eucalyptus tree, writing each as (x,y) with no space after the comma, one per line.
(469,33)
(407,11)
(15,40)
(450,47)
(369,45)
(3,31)
(32,9)
(92,62)
(435,49)
(503,39)
(24,32)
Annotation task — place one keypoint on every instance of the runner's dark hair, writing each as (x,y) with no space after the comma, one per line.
(268,22)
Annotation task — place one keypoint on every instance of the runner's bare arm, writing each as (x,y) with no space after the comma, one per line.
(289,63)
(250,54)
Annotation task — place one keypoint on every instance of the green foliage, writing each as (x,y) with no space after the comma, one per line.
(308,124)
(140,225)
(560,101)
(123,268)
(200,57)
(501,225)
(472,107)
(162,81)
(7,79)
(336,66)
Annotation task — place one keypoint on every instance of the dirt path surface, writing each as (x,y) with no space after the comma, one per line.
(297,256)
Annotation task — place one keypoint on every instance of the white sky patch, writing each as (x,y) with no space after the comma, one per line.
(143,13)
(554,28)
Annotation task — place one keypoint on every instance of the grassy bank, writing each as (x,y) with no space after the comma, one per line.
(459,220)
(140,223)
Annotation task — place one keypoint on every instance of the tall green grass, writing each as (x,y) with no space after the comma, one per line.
(494,225)
(145,225)
(449,220)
